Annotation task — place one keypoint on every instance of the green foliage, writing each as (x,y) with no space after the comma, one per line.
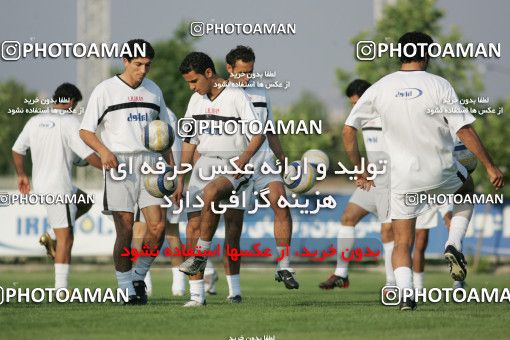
(406,16)
(309,107)
(494,131)
(462,73)
(165,68)
(12,96)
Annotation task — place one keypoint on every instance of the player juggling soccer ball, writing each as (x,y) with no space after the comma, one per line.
(212,101)
(421,150)
(120,108)
(54,142)
(240,62)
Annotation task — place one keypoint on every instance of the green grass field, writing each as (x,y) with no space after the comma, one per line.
(268,309)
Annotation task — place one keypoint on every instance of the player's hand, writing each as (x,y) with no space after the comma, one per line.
(496,177)
(363,183)
(23,184)
(177,195)
(240,163)
(108,160)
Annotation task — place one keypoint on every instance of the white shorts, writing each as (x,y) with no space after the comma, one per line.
(375,201)
(61,215)
(126,194)
(261,181)
(243,186)
(428,219)
(170,216)
(403,208)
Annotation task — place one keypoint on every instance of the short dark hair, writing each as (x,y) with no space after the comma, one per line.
(66,92)
(357,87)
(243,53)
(198,62)
(414,38)
(133,52)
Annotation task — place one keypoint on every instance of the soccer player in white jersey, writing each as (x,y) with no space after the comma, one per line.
(362,202)
(171,229)
(240,62)
(214,101)
(120,108)
(421,150)
(54,141)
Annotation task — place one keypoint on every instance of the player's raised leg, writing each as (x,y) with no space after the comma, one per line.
(461,215)
(217,190)
(196,282)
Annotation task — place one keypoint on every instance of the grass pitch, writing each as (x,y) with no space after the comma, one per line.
(268,309)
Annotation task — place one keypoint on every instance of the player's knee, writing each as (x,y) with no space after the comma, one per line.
(156,228)
(211,193)
(349,219)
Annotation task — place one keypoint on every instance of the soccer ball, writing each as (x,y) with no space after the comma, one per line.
(304,182)
(465,157)
(158,185)
(315,157)
(158,136)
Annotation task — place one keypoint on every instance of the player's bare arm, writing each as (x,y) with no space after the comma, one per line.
(248,153)
(94,161)
(276,146)
(187,153)
(108,159)
(349,137)
(471,140)
(23,180)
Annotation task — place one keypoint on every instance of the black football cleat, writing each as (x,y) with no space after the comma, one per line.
(335,281)
(141,293)
(457,263)
(408,304)
(288,279)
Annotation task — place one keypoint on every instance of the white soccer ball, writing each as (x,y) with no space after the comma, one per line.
(158,185)
(465,157)
(315,157)
(304,182)
(158,136)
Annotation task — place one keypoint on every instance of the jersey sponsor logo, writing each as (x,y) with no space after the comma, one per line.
(135,99)
(47,125)
(138,117)
(372,140)
(409,93)
(212,110)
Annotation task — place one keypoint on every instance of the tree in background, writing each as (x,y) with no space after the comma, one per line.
(462,73)
(309,107)
(165,68)
(12,96)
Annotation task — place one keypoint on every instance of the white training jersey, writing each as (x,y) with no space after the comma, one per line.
(122,112)
(54,140)
(262,106)
(231,104)
(419,143)
(376,150)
